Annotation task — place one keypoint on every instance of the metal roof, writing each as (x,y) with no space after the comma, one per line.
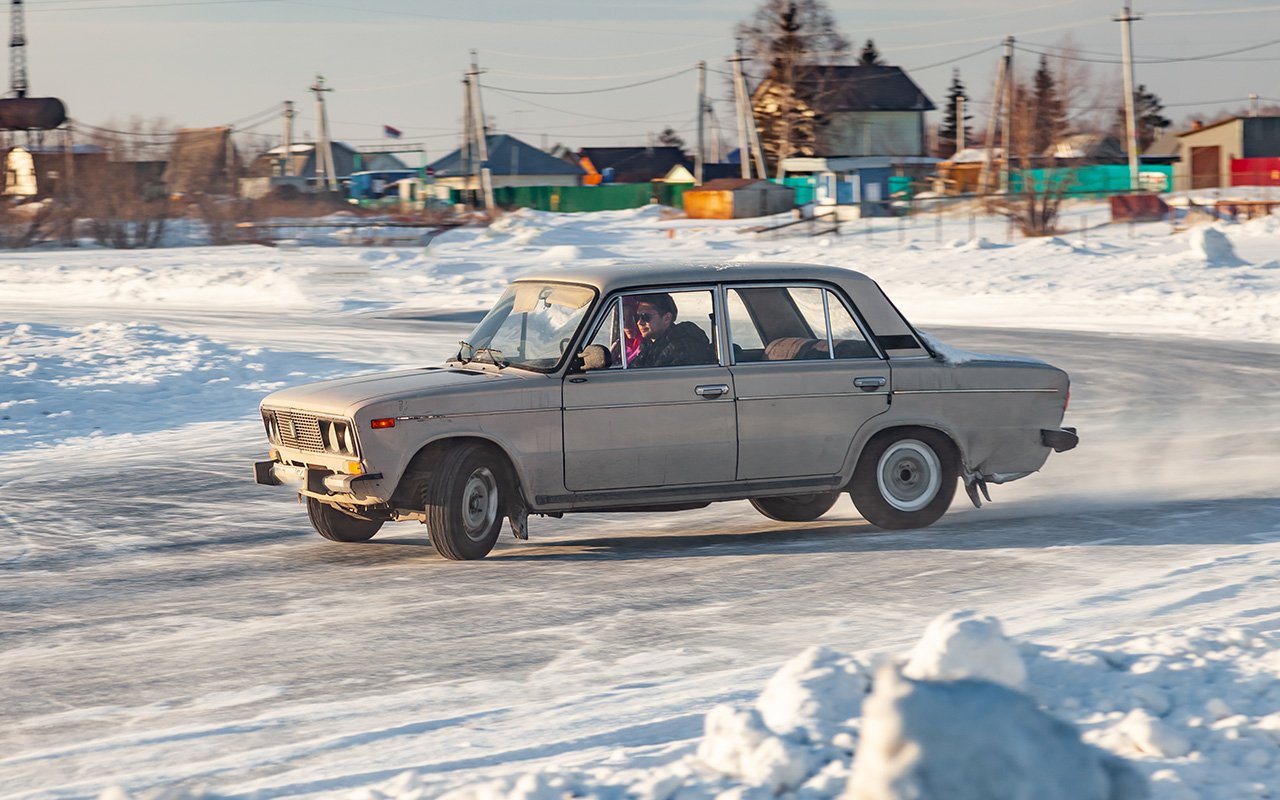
(612,277)
(837,88)
(507,156)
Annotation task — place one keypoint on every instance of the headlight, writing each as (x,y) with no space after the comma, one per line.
(273,428)
(337,437)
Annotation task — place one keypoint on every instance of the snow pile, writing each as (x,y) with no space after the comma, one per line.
(977,740)
(1212,246)
(1192,715)
(961,645)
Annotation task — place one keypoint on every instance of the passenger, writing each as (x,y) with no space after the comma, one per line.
(666,343)
(630,333)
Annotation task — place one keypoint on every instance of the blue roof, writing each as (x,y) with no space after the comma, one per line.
(507,156)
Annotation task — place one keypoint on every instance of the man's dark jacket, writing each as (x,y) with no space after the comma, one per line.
(680,345)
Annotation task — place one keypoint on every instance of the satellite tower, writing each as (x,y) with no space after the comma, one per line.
(17,50)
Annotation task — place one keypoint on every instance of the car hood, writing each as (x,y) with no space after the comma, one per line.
(339,395)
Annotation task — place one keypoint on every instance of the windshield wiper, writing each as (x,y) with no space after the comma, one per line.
(494,354)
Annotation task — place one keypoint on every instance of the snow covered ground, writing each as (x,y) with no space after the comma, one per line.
(1132,576)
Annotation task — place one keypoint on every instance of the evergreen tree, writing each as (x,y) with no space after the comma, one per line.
(1146,109)
(669,138)
(948,138)
(1049,119)
(870,56)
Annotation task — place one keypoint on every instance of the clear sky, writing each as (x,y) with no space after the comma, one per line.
(198,63)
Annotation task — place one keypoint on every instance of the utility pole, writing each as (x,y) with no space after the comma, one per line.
(325,171)
(17,50)
(739,104)
(1253,104)
(480,133)
(701,155)
(1009,85)
(468,138)
(286,158)
(960,143)
(997,103)
(1130,116)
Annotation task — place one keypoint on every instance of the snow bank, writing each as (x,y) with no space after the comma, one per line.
(1179,714)
(1212,246)
(976,740)
(104,378)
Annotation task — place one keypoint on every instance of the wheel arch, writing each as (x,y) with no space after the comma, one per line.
(868,434)
(423,460)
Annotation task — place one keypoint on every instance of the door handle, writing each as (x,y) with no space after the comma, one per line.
(869,384)
(711,391)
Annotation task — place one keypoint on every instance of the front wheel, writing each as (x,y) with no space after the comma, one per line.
(905,479)
(337,525)
(796,508)
(464,503)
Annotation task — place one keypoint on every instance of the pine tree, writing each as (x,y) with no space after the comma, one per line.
(669,138)
(1050,119)
(793,38)
(1146,108)
(870,56)
(948,140)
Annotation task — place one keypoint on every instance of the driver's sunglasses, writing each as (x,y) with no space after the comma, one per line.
(645,316)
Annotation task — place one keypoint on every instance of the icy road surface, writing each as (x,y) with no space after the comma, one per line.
(165,623)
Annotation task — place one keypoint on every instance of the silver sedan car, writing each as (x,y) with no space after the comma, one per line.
(631,388)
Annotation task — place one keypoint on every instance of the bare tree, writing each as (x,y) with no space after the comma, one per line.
(121,197)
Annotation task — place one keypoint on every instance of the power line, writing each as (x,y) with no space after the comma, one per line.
(1204,57)
(593,91)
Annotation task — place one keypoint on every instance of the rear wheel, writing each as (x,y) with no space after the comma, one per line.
(797,507)
(464,503)
(905,479)
(337,525)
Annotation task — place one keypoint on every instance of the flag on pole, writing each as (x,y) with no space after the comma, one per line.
(390,132)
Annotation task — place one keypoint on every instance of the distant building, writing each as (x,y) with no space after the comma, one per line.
(856,110)
(682,173)
(629,164)
(511,163)
(202,161)
(301,162)
(1213,155)
(737,198)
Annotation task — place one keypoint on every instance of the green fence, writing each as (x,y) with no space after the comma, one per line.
(610,197)
(1098,180)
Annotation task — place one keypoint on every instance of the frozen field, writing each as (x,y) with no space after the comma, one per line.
(170,629)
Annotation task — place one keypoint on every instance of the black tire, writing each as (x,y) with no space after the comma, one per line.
(337,525)
(797,507)
(464,502)
(905,478)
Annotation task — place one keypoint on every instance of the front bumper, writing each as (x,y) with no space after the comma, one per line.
(1060,439)
(314,481)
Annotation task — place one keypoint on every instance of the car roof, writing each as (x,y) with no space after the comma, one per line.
(611,277)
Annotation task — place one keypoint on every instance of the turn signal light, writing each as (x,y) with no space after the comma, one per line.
(385,422)
(355,468)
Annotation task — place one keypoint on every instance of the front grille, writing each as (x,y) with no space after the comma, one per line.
(300,430)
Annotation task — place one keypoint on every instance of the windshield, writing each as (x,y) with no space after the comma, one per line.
(530,326)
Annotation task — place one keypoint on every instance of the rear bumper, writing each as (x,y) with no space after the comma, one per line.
(1060,439)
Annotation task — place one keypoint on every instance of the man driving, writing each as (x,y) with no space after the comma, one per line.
(666,343)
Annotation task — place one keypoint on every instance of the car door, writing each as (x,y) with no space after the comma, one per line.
(628,426)
(806,375)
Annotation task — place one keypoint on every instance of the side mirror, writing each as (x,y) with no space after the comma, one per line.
(596,356)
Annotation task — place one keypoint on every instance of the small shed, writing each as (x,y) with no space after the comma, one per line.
(737,198)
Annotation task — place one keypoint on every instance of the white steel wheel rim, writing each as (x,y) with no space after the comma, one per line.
(479,504)
(909,475)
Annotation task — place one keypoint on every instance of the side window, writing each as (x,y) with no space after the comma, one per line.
(676,329)
(777,323)
(846,337)
(608,336)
